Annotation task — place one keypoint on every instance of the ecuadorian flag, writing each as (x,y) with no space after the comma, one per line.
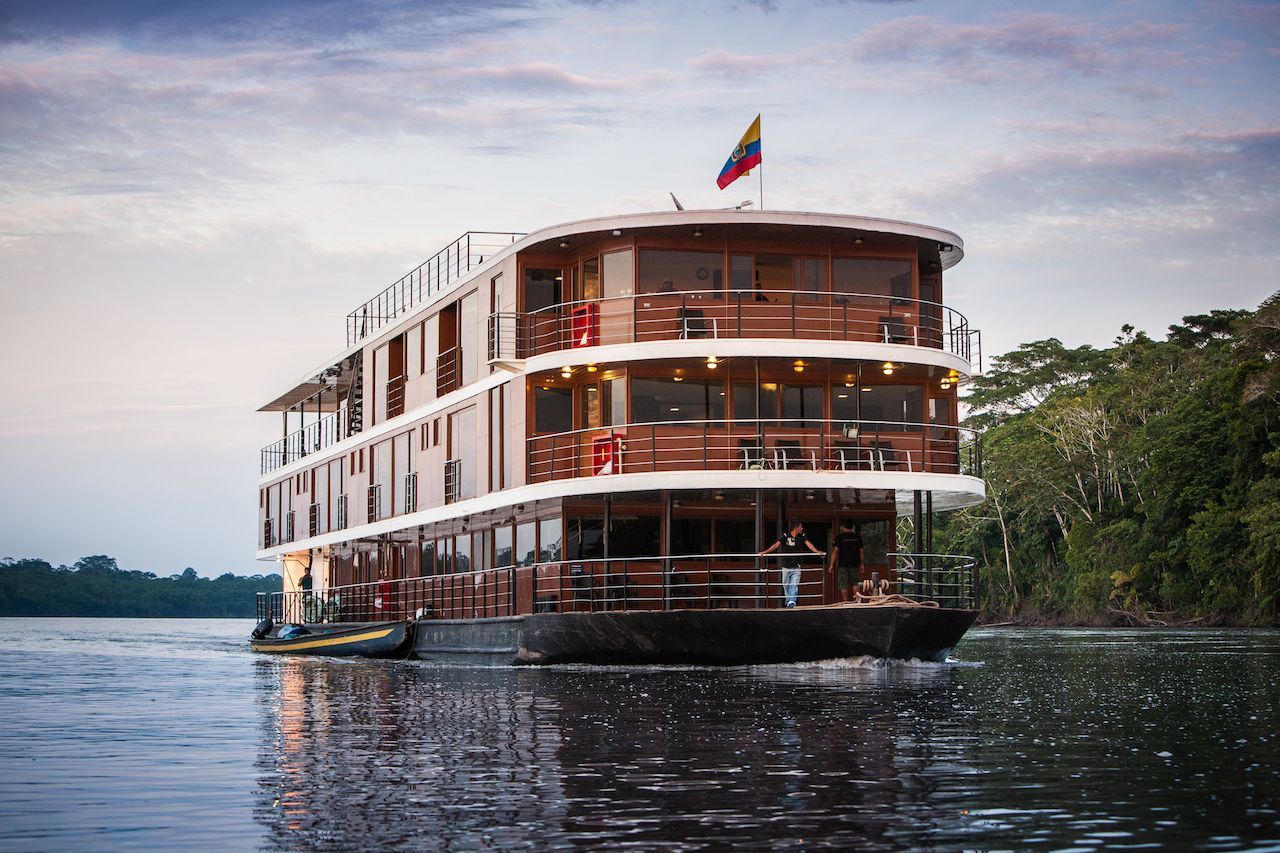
(744,158)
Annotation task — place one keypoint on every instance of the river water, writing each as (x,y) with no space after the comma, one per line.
(156,734)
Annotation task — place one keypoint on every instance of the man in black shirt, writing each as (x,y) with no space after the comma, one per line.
(793,544)
(846,559)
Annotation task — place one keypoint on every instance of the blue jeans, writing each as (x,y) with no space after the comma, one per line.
(790,583)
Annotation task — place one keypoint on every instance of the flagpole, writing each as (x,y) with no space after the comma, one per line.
(762,184)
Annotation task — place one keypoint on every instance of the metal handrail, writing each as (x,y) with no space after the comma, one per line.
(664,582)
(312,438)
(426,280)
(721,313)
(758,443)
(949,579)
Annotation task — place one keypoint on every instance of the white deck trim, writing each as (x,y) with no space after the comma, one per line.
(951,491)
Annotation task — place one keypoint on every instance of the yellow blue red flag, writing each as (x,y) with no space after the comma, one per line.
(744,158)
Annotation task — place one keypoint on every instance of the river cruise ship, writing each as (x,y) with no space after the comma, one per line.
(574,446)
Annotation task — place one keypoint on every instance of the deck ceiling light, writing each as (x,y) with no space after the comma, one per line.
(849,384)
(591,368)
(712,362)
(887,369)
(564,244)
(566,371)
(617,232)
(719,495)
(697,232)
(857,241)
(677,378)
(864,389)
(798,365)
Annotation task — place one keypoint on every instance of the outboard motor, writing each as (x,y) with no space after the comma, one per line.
(262,629)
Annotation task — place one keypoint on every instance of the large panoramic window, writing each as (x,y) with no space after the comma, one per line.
(617,276)
(526,548)
(691,536)
(634,536)
(585,539)
(894,404)
(663,271)
(811,277)
(873,276)
(774,277)
(502,552)
(552,409)
(668,400)
(801,406)
(549,538)
(541,289)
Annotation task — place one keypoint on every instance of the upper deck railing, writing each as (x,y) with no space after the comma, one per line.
(780,444)
(312,438)
(426,280)
(709,314)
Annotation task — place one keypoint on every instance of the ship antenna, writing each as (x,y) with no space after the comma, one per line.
(679,206)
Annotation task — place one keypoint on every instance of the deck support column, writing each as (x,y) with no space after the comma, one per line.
(917,526)
(759,543)
(665,543)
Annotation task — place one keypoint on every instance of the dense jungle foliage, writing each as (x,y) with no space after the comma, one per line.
(1134,484)
(96,586)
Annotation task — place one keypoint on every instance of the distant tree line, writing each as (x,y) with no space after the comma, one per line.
(1138,483)
(97,586)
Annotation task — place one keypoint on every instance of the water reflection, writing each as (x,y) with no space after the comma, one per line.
(1051,741)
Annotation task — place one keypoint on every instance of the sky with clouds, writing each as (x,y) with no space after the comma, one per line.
(195,193)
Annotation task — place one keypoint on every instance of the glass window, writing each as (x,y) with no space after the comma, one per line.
(526,549)
(802,406)
(893,404)
(668,400)
(741,275)
(875,277)
(400,469)
(592,416)
(413,351)
(427,566)
(585,539)
(502,555)
(590,279)
(444,555)
(380,376)
(462,552)
(735,536)
(744,401)
(844,403)
(541,289)
(482,553)
(773,277)
(430,353)
(634,536)
(470,322)
(663,271)
(875,540)
(508,439)
(617,275)
(552,409)
(549,537)
(811,277)
(691,536)
(462,445)
(615,400)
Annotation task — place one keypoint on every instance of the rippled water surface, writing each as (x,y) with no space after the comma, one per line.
(159,734)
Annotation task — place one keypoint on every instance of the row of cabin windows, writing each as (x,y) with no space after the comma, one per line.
(763,277)
(390,460)
(523,544)
(639,535)
(666,400)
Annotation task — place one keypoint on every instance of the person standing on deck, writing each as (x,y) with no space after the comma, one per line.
(793,544)
(847,556)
